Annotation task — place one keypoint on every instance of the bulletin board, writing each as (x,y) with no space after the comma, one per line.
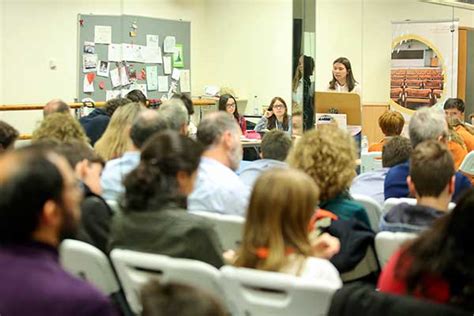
(97,33)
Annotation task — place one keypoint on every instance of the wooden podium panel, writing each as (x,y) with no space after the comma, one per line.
(345,103)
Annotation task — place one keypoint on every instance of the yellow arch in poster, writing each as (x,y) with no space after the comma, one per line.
(398,40)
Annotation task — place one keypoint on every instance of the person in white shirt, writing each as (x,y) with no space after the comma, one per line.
(218,188)
(342,77)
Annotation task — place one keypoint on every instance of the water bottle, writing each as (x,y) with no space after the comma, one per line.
(364,144)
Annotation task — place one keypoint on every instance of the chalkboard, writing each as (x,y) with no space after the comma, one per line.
(121,27)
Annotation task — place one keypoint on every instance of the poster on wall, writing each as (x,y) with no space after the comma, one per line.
(424,61)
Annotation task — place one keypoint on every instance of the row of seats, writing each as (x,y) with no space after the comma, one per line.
(415,98)
(417,71)
(416,83)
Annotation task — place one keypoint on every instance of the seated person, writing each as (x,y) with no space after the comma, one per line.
(465,131)
(327,154)
(296,122)
(59,128)
(425,124)
(274,149)
(395,151)
(218,188)
(8,136)
(154,217)
(56,106)
(391,123)
(276,236)
(97,121)
(137,96)
(437,266)
(227,103)
(433,190)
(275,117)
(456,145)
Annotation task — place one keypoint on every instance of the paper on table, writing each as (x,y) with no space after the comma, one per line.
(103,68)
(163,83)
(112,94)
(115,52)
(102,34)
(185,83)
(115,77)
(152,77)
(89,62)
(169,44)
(88,85)
(167,65)
(124,80)
(176,74)
(152,40)
(152,55)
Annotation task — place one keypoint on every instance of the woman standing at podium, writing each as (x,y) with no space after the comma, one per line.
(342,77)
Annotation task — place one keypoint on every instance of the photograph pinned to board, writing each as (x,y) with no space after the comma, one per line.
(167,65)
(112,94)
(103,68)
(163,83)
(185,81)
(169,44)
(115,78)
(115,52)
(178,58)
(89,47)
(152,40)
(89,62)
(103,34)
(152,78)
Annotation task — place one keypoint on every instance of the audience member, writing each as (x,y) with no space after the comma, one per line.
(433,190)
(39,207)
(396,150)
(178,300)
(296,122)
(188,103)
(276,236)
(425,124)
(438,265)
(176,114)
(274,148)
(465,131)
(154,217)
(137,96)
(327,155)
(8,136)
(60,128)
(227,103)
(454,107)
(55,106)
(147,123)
(391,123)
(456,145)
(115,141)
(96,215)
(275,117)
(97,121)
(218,188)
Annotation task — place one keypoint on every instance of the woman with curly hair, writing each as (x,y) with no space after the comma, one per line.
(61,128)
(154,217)
(115,140)
(328,156)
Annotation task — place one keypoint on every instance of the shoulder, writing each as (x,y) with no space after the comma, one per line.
(322,270)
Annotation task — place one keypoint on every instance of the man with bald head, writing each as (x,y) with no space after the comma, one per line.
(54,106)
(39,207)
(218,188)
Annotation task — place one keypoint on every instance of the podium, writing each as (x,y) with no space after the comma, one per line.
(343,102)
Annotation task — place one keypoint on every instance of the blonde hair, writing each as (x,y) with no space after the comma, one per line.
(453,135)
(455,122)
(280,209)
(391,123)
(328,156)
(60,127)
(115,140)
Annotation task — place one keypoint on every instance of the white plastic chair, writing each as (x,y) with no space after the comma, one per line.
(467,165)
(89,263)
(134,269)
(229,228)
(114,206)
(391,202)
(372,207)
(387,243)
(370,161)
(262,293)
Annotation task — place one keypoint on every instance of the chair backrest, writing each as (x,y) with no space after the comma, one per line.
(89,263)
(134,269)
(262,293)
(387,243)
(418,93)
(372,207)
(229,228)
(370,161)
(391,202)
(467,164)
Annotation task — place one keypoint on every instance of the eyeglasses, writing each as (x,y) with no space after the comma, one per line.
(232,105)
(278,106)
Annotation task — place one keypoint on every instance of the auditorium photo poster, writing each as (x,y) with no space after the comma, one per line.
(424,61)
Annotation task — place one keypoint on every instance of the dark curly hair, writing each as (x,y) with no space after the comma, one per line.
(8,135)
(113,104)
(153,183)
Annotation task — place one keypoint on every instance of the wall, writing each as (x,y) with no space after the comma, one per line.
(2,47)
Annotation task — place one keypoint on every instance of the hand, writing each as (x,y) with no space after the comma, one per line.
(268,114)
(325,246)
(229,256)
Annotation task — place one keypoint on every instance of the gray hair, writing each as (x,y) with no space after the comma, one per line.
(146,124)
(427,124)
(175,113)
(214,125)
